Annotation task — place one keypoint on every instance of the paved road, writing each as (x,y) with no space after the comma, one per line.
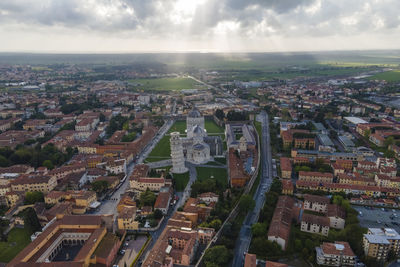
(244,239)
(183,196)
(109,206)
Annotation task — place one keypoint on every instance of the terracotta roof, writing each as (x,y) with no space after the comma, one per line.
(336,211)
(315,219)
(317,199)
(332,249)
(286,165)
(162,200)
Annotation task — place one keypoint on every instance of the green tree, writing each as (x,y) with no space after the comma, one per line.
(246,203)
(158,214)
(216,224)
(100,186)
(102,117)
(298,245)
(389,141)
(219,113)
(48,164)
(217,256)
(33,197)
(147,198)
(367,133)
(31,220)
(259,229)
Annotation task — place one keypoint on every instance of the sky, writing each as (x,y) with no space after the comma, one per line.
(120,26)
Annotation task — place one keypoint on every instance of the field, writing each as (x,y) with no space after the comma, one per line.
(178,126)
(389,76)
(181,181)
(212,127)
(18,239)
(220,174)
(166,84)
(161,151)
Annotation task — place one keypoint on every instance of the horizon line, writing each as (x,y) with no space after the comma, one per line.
(190,51)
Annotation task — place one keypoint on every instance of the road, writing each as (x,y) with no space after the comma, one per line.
(109,206)
(244,239)
(183,196)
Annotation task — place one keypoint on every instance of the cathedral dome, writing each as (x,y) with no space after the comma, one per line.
(197,130)
(199,147)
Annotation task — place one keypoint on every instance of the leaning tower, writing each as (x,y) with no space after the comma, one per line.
(178,160)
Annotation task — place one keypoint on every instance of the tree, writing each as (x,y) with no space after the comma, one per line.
(389,141)
(236,115)
(158,214)
(246,203)
(276,186)
(100,186)
(147,198)
(367,133)
(259,229)
(298,245)
(48,164)
(216,224)
(217,256)
(33,197)
(219,113)
(31,220)
(102,117)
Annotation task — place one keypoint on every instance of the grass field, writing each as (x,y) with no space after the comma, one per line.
(212,127)
(178,126)
(166,84)
(161,151)
(389,76)
(220,174)
(18,239)
(181,181)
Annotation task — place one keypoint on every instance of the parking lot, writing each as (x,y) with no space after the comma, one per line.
(378,218)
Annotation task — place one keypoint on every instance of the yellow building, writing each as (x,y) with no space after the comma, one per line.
(126,219)
(43,184)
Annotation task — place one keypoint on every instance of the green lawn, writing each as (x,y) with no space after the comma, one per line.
(178,126)
(18,239)
(166,84)
(161,151)
(389,76)
(212,127)
(220,160)
(220,174)
(181,181)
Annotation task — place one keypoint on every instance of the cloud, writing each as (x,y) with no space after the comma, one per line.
(203,19)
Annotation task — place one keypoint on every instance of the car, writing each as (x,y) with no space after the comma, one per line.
(115,265)
(378,221)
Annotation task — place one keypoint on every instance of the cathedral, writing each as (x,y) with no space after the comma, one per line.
(197,147)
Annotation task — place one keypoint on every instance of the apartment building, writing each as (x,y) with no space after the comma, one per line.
(316,203)
(335,254)
(321,177)
(315,224)
(377,243)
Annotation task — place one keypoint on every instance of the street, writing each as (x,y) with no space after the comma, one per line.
(244,239)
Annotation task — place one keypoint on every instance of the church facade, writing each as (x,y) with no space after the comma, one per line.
(197,146)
